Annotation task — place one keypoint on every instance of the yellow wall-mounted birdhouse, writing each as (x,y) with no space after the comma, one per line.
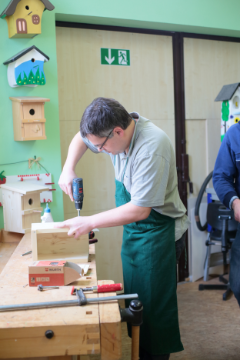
(24,17)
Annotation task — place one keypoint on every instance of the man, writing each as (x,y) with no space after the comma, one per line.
(149,207)
(226,181)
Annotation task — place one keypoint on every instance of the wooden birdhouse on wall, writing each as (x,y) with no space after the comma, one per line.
(230,114)
(26,68)
(28,118)
(24,17)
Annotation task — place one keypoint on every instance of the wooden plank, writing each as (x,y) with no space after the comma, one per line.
(17,117)
(6,251)
(36,114)
(12,210)
(27,99)
(10,237)
(67,339)
(31,201)
(30,211)
(110,324)
(24,187)
(27,121)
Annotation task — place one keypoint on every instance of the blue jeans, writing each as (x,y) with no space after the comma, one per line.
(234,277)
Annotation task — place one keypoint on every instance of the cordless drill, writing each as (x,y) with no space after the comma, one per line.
(77,189)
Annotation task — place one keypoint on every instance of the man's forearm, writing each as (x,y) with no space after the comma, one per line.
(122,215)
(76,150)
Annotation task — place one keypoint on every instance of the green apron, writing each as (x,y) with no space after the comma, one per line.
(149,269)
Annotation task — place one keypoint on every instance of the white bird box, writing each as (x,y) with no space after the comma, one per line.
(21,205)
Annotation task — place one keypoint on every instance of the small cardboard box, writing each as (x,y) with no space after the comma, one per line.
(53,273)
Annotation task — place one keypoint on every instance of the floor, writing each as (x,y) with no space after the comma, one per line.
(210,327)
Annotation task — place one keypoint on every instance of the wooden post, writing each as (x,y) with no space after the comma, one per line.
(135,342)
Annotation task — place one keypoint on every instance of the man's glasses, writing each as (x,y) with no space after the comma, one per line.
(106,140)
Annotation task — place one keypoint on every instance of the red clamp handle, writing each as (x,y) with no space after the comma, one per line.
(73,290)
(109,288)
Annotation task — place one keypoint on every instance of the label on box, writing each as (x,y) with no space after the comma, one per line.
(51,280)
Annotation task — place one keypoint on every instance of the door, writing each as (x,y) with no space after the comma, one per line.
(208,65)
(146,86)
(21,26)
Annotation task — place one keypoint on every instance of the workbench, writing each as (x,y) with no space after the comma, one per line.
(90,329)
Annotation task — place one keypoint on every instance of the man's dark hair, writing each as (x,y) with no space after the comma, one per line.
(102,116)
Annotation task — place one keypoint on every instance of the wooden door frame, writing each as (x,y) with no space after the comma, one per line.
(179,103)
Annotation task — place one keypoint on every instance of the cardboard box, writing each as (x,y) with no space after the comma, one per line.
(53,273)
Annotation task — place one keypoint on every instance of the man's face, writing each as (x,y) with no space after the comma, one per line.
(114,144)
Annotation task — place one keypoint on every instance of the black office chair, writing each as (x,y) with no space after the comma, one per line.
(224,228)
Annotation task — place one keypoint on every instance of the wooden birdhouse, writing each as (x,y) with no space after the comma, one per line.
(28,118)
(230,114)
(26,68)
(24,17)
(21,205)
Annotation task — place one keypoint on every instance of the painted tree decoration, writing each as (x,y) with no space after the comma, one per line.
(24,17)
(225,110)
(26,68)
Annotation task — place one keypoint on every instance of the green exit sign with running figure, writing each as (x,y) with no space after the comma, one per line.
(115,57)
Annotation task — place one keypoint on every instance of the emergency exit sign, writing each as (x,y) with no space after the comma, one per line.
(115,57)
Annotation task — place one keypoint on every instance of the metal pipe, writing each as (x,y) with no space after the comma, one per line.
(64,303)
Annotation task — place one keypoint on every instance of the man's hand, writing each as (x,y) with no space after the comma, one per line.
(236,209)
(65,181)
(79,225)
(76,150)
(125,214)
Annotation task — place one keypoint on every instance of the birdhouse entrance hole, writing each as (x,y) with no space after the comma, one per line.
(30,201)
(32,60)
(32,112)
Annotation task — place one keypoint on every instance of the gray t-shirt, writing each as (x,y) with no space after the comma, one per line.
(150,175)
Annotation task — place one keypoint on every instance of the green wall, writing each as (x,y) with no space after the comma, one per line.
(49,150)
(217,17)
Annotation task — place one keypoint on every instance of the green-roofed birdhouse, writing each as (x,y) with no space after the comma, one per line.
(26,68)
(24,17)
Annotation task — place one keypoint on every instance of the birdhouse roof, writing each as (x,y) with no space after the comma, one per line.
(23,52)
(10,9)
(24,187)
(227,92)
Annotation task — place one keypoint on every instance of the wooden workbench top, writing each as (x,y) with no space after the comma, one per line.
(76,329)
